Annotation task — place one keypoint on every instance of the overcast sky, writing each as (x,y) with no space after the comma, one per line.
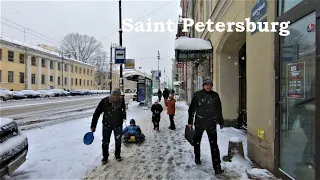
(100,19)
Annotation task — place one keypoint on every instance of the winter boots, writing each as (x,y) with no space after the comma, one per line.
(218,170)
(118,158)
(197,161)
(104,160)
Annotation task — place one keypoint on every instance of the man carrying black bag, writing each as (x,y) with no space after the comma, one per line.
(206,107)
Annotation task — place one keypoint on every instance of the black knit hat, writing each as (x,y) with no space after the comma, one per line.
(207,81)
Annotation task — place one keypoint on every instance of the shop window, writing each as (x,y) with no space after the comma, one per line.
(10,76)
(286,5)
(11,56)
(43,79)
(51,64)
(33,78)
(59,81)
(43,63)
(33,61)
(21,58)
(21,77)
(297,97)
(51,78)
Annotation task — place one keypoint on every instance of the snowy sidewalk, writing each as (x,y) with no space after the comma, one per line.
(167,155)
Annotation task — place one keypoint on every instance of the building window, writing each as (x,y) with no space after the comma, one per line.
(51,64)
(71,68)
(87,82)
(79,82)
(71,81)
(59,81)
(51,78)
(0,75)
(43,79)
(76,69)
(88,72)
(80,70)
(286,5)
(209,7)
(59,66)
(0,54)
(84,71)
(21,58)
(65,67)
(297,83)
(33,78)
(10,76)
(91,82)
(84,82)
(21,77)
(33,61)
(11,56)
(65,81)
(43,63)
(76,82)
(91,72)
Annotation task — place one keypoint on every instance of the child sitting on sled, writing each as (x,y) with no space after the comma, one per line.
(133,130)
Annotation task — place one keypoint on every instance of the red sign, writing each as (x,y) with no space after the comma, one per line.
(310,28)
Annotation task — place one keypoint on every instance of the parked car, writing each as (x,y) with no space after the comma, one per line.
(5,94)
(14,146)
(86,91)
(45,93)
(65,93)
(31,93)
(57,92)
(77,93)
(18,95)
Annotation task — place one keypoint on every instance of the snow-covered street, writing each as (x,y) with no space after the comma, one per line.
(57,152)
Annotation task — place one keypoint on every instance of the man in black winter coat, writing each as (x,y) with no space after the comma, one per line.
(166,94)
(114,113)
(159,94)
(156,110)
(206,107)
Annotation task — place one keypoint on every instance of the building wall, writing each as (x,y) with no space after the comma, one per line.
(260,73)
(18,67)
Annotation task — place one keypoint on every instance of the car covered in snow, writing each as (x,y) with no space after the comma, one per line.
(14,146)
(31,93)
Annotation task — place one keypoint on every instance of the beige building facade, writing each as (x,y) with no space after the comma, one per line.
(255,72)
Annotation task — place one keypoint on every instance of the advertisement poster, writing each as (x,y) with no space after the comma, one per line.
(296,80)
(129,64)
(141,92)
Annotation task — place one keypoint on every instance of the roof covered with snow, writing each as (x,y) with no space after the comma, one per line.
(134,75)
(186,43)
(38,48)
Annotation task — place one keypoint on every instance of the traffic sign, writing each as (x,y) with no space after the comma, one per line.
(120,55)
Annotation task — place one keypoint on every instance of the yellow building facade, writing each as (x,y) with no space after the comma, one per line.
(252,72)
(24,66)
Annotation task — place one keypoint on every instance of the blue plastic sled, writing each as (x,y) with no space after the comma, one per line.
(88,138)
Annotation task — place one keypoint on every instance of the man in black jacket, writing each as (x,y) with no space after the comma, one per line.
(206,107)
(156,110)
(114,113)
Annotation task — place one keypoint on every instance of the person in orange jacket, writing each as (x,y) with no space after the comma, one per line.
(171,110)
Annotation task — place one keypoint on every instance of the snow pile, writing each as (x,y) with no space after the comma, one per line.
(260,174)
(5,121)
(192,44)
(235,140)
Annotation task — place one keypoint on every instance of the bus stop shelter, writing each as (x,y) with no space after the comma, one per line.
(144,86)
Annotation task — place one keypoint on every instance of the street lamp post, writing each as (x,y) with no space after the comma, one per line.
(120,43)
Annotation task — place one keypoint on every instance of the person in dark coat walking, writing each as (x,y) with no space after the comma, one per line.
(165,94)
(206,107)
(159,94)
(156,110)
(114,113)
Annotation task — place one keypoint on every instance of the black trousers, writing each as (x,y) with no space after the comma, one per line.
(106,135)
(156,121)
(172,125)
(212,135)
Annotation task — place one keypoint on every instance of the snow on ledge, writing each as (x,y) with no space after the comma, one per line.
(235,140)
(185,43)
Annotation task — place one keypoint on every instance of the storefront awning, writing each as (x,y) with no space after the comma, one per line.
(136,75)
(191,49)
